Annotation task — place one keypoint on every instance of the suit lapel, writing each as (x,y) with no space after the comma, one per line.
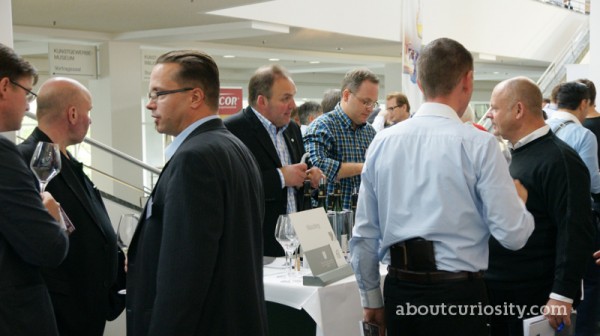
(262,135)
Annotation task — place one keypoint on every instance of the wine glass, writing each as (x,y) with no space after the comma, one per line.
(286,236)
(282,219)
(45,162)
(125,231)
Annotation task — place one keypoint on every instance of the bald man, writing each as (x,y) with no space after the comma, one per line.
(83,288)
(548,269)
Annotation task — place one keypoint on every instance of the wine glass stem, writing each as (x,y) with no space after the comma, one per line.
(289,267)
(42,186)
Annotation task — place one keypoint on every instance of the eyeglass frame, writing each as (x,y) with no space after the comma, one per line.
(30,96)
(391,108)
(153,95)
(372,105)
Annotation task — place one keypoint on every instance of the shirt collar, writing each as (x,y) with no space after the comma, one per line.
(538,133)
(267,123)
(563,115)
(180,138)
(437,110)
(344,118)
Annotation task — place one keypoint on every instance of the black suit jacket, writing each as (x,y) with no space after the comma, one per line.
(246,126)
(195,261)
(29,238)
(82,288)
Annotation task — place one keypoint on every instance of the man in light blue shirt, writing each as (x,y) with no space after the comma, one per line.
(432,181)
(573,104)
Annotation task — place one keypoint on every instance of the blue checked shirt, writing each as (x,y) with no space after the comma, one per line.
(331,141)
(283,153)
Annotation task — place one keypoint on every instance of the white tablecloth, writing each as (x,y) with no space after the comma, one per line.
(335,308)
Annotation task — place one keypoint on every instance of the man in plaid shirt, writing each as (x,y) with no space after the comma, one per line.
(337,141)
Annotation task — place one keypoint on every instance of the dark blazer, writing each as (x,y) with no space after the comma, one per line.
(246,126)
(82,288)
(29,238)
(195,260)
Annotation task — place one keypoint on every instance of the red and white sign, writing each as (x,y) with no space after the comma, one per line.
(230,101)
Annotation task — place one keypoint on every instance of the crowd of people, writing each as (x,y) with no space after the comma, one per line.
(455,221)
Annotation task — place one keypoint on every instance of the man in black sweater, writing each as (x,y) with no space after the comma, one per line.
(548,270)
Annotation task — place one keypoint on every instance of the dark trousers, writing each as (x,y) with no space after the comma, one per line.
(588,311)
(502,295)
(415,309)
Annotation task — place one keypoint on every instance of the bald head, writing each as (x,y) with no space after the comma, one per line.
(515,108)
(63,107)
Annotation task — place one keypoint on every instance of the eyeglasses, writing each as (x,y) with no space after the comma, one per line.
(391,108)
(367,103)
(153,96)
(30,96)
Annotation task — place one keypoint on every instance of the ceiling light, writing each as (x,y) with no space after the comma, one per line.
(314,62)
(228,56)
(274,59)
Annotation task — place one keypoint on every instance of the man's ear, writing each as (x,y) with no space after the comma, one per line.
(198,96)
(72,115)
(520,113)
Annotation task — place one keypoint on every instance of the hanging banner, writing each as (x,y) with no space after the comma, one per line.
(230,101)
(72,60)
(412,28)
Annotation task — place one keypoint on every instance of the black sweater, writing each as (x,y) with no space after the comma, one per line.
(558,185)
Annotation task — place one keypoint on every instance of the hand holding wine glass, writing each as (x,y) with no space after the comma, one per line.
(45,165)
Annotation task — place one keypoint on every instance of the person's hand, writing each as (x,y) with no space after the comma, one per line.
(521,190)
(558,312)
(294,175)
(51,205)
(375,316)
(597,256)
(314,175)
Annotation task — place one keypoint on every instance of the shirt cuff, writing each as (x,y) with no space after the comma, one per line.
(561,298)
(371,298)
(281,178)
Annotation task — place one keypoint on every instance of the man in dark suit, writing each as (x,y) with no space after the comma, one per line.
(29,236)
(276,143)
(83,288)
(195,261)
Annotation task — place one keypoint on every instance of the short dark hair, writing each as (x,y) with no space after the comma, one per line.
(400,99)
(441,65)
(331,98)
(261,83)
(354,78)
(307,109)
(571,94)
(591,88)
(198,69)
(14,66)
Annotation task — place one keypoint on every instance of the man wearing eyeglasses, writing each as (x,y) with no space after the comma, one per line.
(195,260)
(337,141)
(29,236)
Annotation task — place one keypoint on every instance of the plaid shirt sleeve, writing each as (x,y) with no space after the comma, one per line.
(319,142)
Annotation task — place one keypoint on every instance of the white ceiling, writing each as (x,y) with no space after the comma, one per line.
(189,24)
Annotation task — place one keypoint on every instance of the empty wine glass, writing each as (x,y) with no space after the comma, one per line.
(286,236)
(125,231)
(45,162)
(282,219)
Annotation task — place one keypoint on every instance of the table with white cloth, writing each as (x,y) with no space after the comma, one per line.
(335,308)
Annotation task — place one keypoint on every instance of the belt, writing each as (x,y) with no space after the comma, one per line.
(432,277)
